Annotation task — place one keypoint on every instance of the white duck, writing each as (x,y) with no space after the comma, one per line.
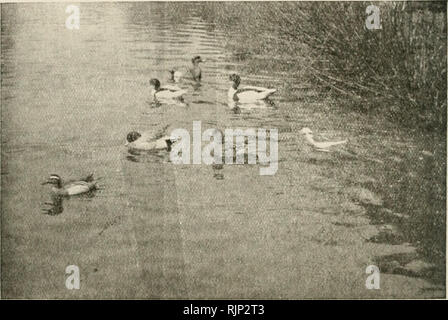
(165,92)
(247,94)
(320,146)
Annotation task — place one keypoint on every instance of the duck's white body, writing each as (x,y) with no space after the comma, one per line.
(172,87)
(249,94)
(143,143)
(77,187)
(320,146)
(168,92)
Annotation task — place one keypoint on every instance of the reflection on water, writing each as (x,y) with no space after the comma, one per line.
(158,156)
(217,171)
(169,102)
(55,206)
(260,104)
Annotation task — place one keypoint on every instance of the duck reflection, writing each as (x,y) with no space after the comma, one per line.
(236,106)
(54,207)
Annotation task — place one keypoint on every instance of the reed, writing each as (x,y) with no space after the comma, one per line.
(399,70)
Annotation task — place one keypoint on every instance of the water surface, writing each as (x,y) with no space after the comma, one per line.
(160,230)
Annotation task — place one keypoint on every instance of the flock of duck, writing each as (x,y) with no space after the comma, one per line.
(135,140)
(245,94)
(168,92)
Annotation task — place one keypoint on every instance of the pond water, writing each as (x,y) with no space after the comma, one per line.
(160,230)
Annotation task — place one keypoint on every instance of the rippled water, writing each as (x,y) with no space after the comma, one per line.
(156,229)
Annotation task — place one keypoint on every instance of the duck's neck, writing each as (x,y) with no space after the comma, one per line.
(231,92)
(57,186)
(309,138)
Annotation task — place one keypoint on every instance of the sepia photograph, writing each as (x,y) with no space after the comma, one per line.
(254,150)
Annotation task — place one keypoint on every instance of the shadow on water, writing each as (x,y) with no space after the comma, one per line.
(152,156)
(154,104)
(56,205)
(217,173)
(260,104)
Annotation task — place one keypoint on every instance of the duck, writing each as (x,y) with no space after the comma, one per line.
(71,187)
(247,94)
(320,146)
(194,70)
(165,92)
(176,75)
(138,142)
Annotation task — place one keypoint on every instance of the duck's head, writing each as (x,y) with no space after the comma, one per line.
(54,180)
(235,79)
(306,131)
(154,83)
(132,136)
(196,60)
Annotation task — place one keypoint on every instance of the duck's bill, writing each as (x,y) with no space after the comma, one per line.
(45,182)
